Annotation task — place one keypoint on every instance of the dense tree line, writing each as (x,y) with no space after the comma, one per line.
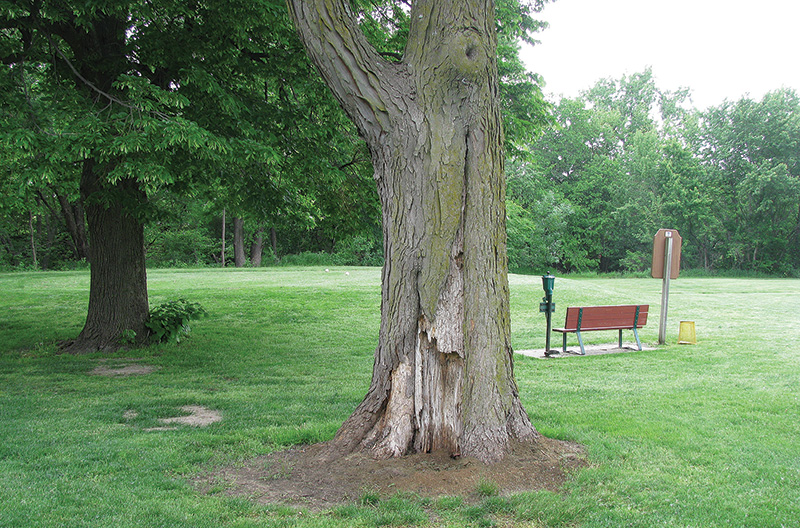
(619,162)
(627,158)
(251,145)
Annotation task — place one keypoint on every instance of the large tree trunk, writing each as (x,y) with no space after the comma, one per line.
(118,280)
(443,374)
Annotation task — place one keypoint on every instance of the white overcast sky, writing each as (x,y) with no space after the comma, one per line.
(720,49)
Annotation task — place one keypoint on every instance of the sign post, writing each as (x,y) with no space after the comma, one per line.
(662,322)
(666,265)
(548,307)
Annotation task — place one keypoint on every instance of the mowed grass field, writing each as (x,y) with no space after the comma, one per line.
(680,436)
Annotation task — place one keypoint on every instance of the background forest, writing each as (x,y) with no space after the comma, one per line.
(245,159)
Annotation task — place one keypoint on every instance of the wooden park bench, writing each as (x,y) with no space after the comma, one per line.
(591,318)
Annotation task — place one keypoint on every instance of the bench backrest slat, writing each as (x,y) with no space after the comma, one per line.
(606,317)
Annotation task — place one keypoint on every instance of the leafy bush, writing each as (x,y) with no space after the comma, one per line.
(359,250)
(353,251)
(181,248)
(170,321)
(637,261)
(537,235)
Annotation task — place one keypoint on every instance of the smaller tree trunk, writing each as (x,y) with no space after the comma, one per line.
(33,239)
(238,242)
(51,228)
(51,231)
(80,230)
(257,248)
(273,238)
(222,255)
(76,225)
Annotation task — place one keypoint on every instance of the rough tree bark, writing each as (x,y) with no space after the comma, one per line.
(118,278)
(443,373)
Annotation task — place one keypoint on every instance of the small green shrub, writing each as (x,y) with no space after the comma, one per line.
(127,337)
(180,248)
(637,261)
(169,321)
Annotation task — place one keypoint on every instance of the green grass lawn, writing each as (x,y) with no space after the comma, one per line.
(683,436)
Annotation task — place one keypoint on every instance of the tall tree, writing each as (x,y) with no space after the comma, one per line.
(752,149)
(604,157)
(443,374)
(134,96)
(78,58)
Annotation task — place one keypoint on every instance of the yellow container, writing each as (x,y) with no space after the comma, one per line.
(686,336)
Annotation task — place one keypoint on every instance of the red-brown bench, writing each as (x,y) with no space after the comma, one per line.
(591,318)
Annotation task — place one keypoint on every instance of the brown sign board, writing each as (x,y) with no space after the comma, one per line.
(659,248)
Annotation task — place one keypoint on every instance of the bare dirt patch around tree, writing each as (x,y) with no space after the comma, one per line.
(198,416)
(305,476)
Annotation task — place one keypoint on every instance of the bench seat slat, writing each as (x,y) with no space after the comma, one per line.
(585,328)
(591,318)
(604,318)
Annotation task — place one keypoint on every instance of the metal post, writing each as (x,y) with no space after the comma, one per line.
(548,307)
(662,325)
(548,314)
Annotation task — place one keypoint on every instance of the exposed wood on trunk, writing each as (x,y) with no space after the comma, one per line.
(443,374)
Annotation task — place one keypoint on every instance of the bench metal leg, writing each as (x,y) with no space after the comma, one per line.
(565,342)
(620,337)
(636,334)
(580,341)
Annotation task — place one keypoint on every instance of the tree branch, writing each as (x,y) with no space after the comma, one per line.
(359,78)
(110,98)
(356,159)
